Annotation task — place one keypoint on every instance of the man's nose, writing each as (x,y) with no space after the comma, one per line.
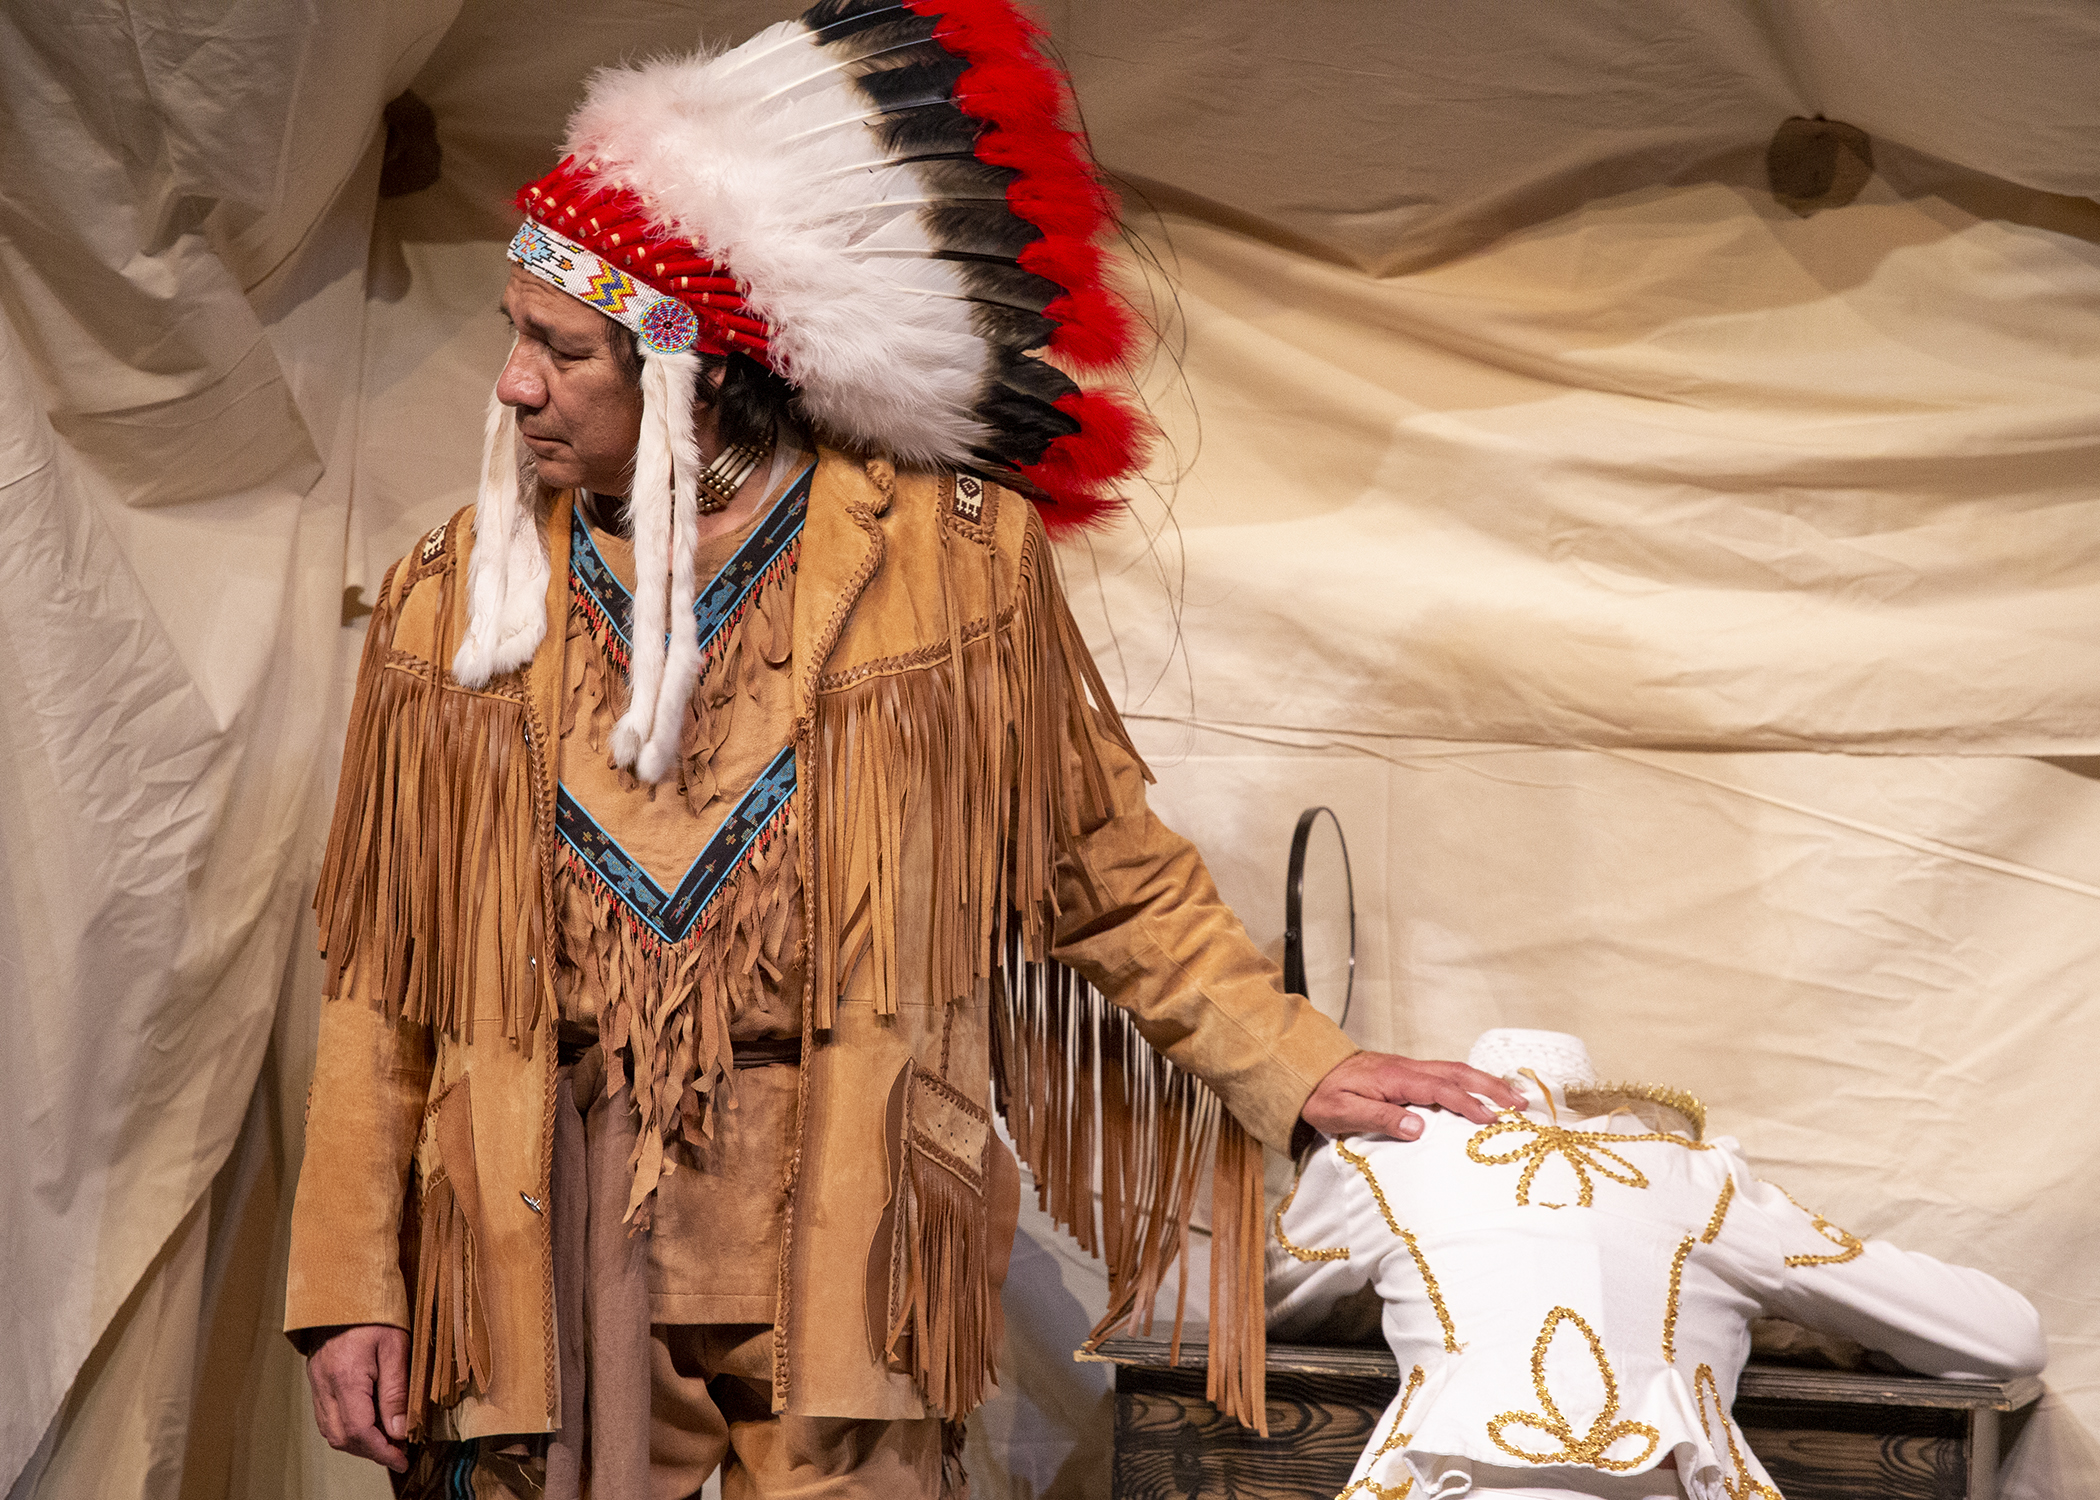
(521,384)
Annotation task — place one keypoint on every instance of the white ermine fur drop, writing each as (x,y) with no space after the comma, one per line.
(507,576)
(663,513)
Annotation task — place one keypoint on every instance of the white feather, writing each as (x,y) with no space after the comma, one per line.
(741,152)
(507,573)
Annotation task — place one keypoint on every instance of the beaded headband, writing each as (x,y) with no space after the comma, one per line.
(664,324)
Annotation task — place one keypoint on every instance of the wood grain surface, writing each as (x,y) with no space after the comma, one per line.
(1824,1435)
(1759,1382)
(1170,1442)
(1808,1464)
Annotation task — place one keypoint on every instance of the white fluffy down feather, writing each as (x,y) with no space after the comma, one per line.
(763,155)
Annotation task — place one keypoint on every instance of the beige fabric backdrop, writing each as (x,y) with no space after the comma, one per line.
(1688,608)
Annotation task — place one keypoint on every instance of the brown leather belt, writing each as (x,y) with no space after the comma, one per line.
(768,1052)
(573,1039)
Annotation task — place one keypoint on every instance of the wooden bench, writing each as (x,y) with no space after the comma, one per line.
(1823,1434)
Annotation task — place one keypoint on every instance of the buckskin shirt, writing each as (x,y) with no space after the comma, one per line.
(946,761)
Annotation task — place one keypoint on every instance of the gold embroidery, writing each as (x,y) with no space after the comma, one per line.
(1383,1492)
(1338,1252)
(1436,1295)
(1713,1223)
(1394,1439)
(1745,1485)
(1670,1312)
(1592,1446)
(1849,1245)
(1585,1150)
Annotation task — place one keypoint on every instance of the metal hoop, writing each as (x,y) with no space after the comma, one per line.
(1294,907)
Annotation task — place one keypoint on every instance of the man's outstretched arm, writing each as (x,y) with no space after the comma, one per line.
(1141,920)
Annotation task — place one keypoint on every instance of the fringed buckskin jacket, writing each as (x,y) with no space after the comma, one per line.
(964,792)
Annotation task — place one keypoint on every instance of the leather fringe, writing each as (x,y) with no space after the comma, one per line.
(1069,1070)
(425,845)
(450,1352)
(953,1319)
(1237,1381)
(995,732)
(449,1349)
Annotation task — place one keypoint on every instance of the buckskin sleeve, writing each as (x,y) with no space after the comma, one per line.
(370,1081)
(1141,920)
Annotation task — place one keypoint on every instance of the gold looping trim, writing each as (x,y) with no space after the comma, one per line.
(1677,1261)
(1745,1485)
(1588,1448)
(1414,1249)
(1585,1151)
(1394,1438)
(1298,1252)
(1850,1246)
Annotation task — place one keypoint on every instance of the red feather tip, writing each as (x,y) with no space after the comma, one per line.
(1016,91)
(1071,263)
(1080,470)
(1067,209)
(1012,91)
(1093,328)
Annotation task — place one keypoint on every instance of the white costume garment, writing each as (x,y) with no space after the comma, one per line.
(1570,1301)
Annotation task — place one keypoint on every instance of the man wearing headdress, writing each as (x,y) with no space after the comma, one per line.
(1569,1289)
(719,792)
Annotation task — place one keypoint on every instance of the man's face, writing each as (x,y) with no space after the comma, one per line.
(579,412)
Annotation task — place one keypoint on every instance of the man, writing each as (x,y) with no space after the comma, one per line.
(713,791)
(1569,1289)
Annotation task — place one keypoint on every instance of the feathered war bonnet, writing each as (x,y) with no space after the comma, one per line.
(881,202)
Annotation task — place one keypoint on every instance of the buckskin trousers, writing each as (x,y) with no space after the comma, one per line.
(649,1412)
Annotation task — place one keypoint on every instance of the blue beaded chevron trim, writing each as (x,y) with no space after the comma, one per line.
(768,554)
(672,915)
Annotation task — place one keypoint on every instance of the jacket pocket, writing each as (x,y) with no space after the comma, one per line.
(449,1337)
(938,1257)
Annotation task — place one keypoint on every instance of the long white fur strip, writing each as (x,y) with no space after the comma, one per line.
(649,508)
(675,376)
(741,152)
(507,574)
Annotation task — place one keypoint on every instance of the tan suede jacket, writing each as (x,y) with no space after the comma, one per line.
(926,614)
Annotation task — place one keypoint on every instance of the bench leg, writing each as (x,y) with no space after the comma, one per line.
(1983,1454)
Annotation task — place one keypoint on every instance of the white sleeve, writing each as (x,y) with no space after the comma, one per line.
(1930,1317)
(1312,1261)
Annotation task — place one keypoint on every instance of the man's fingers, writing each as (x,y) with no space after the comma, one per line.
(1459,1100)
(1400,1124)
(393,1382)
(1487,1083)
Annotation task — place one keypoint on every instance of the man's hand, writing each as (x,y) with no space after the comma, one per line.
(1364,1094)
(360,1381)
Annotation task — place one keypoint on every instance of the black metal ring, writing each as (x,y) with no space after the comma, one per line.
(1294,907)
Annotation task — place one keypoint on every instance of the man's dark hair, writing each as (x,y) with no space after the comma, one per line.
(752,401)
